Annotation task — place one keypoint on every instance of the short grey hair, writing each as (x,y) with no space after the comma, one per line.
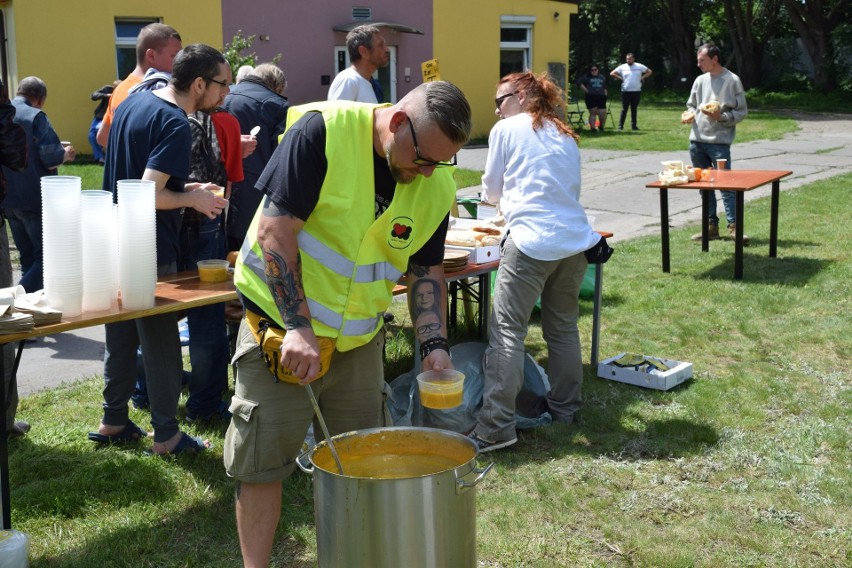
(443,104)
(362,35)
(32,88)
(270,75)
(243,72)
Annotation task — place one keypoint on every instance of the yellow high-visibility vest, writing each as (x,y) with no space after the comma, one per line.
(351,261)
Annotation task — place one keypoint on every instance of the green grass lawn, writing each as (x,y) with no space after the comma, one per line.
(661,130)
(747,464)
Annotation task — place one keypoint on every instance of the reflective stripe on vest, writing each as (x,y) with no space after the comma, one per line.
(320,312)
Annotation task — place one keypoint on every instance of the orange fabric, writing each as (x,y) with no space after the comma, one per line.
(118,95)
(228,132)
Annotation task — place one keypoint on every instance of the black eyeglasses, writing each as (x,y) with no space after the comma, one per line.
(594,68)
(212,80)
(499,100)
(420,160)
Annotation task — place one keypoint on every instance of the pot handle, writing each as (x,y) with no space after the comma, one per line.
(301,460)
(462,485)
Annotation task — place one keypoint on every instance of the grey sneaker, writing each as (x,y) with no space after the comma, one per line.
(713,231)
(484,445)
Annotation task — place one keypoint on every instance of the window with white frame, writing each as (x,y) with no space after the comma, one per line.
(515,43)
(126,32)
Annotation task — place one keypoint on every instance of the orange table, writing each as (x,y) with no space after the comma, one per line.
(174,293)
(739,181)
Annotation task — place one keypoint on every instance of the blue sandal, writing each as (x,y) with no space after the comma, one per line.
(187,445)
(131,433)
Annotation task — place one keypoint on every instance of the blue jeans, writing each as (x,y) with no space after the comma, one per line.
(704,155)
(97,151)
(209,348)
(26,229)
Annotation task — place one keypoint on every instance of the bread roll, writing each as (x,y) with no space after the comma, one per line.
(461,238)
(687,116)
(487,229)
(490,241)
(710,107)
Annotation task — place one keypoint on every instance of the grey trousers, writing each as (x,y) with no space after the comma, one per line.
(520,282)
(161,353)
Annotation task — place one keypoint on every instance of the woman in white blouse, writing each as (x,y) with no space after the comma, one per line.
(533,172)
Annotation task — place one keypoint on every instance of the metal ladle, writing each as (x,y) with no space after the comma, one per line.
(324,428)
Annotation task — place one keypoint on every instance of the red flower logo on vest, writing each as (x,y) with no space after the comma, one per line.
(400,233)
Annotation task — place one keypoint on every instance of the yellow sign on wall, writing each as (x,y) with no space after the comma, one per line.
(430,71)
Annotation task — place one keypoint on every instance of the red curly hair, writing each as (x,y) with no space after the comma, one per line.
(544,98)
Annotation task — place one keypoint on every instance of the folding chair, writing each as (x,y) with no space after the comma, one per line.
(574,113)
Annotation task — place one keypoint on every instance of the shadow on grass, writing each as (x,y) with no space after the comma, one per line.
(161,524)
(760,269)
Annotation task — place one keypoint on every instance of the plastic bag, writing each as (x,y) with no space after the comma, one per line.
(531,403)
(14,549)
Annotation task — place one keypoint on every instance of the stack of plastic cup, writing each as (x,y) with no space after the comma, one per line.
(137,243)
(98,245)
(62,241)
(114,251)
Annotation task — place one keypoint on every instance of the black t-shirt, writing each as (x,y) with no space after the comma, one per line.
(295,174)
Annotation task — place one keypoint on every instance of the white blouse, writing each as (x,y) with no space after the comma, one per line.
(535,176)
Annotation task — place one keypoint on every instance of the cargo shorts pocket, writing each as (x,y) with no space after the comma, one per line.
(240,453)
(245,343)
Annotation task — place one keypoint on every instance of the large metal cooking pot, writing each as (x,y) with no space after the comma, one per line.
(407,499)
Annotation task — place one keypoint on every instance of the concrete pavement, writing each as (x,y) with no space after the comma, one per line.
(613,182)
(613,192)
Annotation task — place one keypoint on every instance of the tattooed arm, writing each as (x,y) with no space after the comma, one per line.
(277,237)
(427,303)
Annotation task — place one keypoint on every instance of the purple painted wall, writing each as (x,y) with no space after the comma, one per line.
(302,32)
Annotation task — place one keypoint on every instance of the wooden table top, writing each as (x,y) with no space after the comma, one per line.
(730,180)
(174,292)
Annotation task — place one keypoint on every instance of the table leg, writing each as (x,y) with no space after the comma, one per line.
(705,224)
(773,219)
(596,314)
(664,226)
(484,304)
(738,238)
(5,492)
(452,321)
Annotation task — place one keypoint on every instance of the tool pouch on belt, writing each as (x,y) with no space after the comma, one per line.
(269,337)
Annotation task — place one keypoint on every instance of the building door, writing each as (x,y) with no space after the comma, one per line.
(386,75)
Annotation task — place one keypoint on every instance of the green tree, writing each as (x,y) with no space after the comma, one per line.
(750,24)
(233,51)
(815,22)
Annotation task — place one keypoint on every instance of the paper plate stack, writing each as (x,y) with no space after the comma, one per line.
(455,260)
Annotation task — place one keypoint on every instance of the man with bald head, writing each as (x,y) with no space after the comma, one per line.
(356,196)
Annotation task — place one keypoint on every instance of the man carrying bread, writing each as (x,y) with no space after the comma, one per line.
(356,196)
(715,106)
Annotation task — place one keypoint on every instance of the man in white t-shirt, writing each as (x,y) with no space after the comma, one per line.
(367,52)
(631,74)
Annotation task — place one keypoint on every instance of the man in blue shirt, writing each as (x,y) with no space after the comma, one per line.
(23,197)
(151,139)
